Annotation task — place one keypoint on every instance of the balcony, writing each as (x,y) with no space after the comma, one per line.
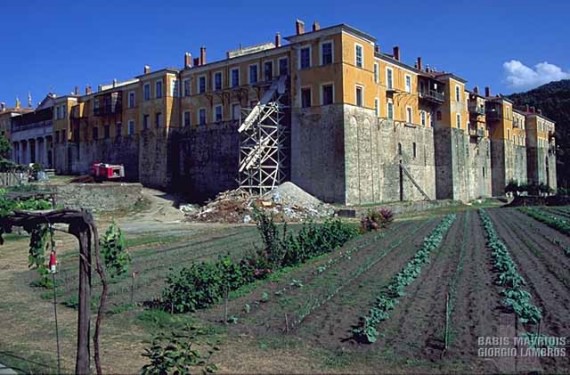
(432,96)
(477,133)
(493,114)
(477,110)
(106,110)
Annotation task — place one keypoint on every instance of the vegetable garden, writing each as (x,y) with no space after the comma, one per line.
(409,296)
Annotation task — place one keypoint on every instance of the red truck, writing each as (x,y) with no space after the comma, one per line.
(109,172)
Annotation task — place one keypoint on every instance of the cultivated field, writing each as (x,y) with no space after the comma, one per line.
(301,319)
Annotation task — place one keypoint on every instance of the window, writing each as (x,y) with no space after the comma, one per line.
(218,113)
(202,116)
(218,81)
(95,133)
(186,84)
(305,97)
(283,66)
(236,111)
(63,138)
(358,55)
(326,53)
(305,58)
(146,91)
(327,97)
(145,122)
(409,115)
(57,136)
(408,83)
(376,78)
(457,97)
(359,96)
(131,102)
(119,129)
(158,89)
(253,73)
(201,84)
(414,150)
(423,118)
(389,78)
(131,127)
(186,118)
(376,107)
(268,70)
(235,77)
(458,120)
(174,88)
(390,110)
(63,111)
(158,119)
(438,115)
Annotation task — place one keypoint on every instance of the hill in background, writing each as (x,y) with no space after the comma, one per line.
(554,100)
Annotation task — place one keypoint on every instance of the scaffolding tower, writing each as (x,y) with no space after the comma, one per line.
(263,142)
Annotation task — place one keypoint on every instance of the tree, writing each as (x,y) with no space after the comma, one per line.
(5,147)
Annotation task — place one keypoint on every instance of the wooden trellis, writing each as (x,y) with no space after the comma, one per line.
(82,226)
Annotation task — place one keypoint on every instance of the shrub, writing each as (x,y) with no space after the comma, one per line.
(376,219)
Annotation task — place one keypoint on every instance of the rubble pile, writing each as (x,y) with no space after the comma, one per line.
(287,202)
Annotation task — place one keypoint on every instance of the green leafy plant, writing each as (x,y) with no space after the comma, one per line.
(515,298)
(175,353)
(114,251)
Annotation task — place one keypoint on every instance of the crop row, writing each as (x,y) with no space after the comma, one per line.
(367,327)
(552,221)
(515,299)
(333,283)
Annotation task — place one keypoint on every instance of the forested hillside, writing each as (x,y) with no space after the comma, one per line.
(554,100)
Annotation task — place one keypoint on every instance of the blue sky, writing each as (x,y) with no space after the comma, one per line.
(511,45)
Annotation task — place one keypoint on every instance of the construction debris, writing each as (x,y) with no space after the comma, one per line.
(287,202)
(85,179)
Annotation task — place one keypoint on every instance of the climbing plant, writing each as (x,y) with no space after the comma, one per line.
(114,251)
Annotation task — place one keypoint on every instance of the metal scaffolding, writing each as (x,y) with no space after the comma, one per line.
(263,142)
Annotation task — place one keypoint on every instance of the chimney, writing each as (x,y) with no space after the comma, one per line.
(316,26)
(487,91)
(532,109)
(187,60)
(202,55)
(539,111)
(377,48)
(527,109)
(76,91)
(419,63)
(397,53)
(99,88)
(277,40)
(300,27)
(196,61)
(88,90)
(115,82)
(2,106)
(476,90)
(146,69)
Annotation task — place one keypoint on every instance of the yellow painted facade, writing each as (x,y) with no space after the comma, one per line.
(500,118)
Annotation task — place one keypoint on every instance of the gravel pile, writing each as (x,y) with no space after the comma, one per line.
(287,202)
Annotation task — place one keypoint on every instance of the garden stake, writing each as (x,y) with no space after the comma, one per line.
(56,327)
(286,324)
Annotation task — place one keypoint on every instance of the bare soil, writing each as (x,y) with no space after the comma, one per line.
(546,277)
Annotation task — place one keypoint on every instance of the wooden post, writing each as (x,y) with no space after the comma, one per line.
(83,362)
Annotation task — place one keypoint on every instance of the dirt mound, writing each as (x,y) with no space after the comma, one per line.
(287,202)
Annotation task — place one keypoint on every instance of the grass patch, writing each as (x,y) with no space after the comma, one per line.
(121,308)
(29,363)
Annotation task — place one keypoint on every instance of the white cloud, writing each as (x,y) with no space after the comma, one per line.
(520,76)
